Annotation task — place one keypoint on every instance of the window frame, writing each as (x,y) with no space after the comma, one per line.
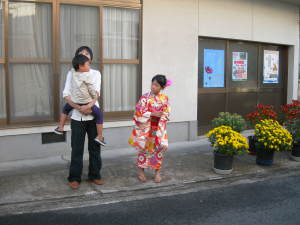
(56,60)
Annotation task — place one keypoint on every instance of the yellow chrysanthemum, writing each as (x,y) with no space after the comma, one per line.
(272,135)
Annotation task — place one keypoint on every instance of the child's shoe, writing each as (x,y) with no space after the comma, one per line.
(100,141)
(57,131)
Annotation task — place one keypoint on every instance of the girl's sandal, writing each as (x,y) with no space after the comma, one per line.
(157,179)
(142,178)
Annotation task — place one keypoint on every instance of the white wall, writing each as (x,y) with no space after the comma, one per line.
(293,69)
(275,22)
(170,43)
(254,20)
(225,18)
(170,39)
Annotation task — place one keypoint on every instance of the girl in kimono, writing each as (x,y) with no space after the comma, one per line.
(149,135)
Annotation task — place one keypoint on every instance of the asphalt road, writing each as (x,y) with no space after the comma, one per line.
(271,202)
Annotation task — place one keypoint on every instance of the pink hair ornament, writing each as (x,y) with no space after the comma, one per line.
(169,83)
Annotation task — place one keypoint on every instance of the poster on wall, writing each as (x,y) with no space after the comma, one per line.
(239,66)
(213,68)
(271,67)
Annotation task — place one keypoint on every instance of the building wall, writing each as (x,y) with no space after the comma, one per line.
(26,143)
(253,20)
(170,43)
(170,40)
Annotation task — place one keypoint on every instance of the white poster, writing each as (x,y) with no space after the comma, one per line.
(271,67)
(239,66)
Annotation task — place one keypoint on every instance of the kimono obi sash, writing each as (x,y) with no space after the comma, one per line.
(154,121)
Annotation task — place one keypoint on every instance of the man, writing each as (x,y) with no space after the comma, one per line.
(82,123)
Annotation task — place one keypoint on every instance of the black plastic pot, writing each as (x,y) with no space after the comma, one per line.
(296,150)
(222,163)
(252,145)
(264,157)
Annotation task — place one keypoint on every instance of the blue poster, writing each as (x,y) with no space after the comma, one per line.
(213,68)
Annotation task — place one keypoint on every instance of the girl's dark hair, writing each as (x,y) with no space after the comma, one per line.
(79,60)
(88,49)
(161,79)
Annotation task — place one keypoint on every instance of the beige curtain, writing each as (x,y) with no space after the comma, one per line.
(119,87)
(31,84)
(79,26)
(31,93)
(121,37)
(121,33)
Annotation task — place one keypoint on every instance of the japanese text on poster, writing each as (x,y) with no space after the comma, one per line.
(239,66)
(213,68)
(271,66)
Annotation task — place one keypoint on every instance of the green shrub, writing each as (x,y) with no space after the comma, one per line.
(293,127)
(235,121)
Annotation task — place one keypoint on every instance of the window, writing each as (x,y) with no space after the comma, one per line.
(30,66)
(79,26)
(120,76)
(121,33)
(120,87)
(39,42)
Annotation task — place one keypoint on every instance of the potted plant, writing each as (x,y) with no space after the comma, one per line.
(271,137)
(293,127)
(226,144)
(289,112)
(261,112)
(235,121)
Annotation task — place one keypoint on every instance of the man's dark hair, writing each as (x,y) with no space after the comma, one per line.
(79,60)
(88,49)
(161,79)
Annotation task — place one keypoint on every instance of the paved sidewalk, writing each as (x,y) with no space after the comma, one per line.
(24,183)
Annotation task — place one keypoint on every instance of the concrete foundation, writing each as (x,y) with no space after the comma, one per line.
(26,145)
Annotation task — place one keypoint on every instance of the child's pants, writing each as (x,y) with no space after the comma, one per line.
(96,112)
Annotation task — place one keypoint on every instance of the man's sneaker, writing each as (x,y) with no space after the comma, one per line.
(100,142)
(57,131)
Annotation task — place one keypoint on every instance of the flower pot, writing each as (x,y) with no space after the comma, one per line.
(252,145)
(222,163)
(264,157)
(296,152)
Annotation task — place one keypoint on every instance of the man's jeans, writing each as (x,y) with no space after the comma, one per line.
(78,133)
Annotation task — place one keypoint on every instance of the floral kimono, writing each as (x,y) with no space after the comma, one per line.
(149,135)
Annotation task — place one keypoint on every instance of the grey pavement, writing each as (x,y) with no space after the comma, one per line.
(270,201)
(41,185)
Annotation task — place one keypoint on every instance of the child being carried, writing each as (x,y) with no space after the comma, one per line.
(82,92)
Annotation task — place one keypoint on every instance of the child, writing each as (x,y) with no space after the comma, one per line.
(82,93)
(149,135)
